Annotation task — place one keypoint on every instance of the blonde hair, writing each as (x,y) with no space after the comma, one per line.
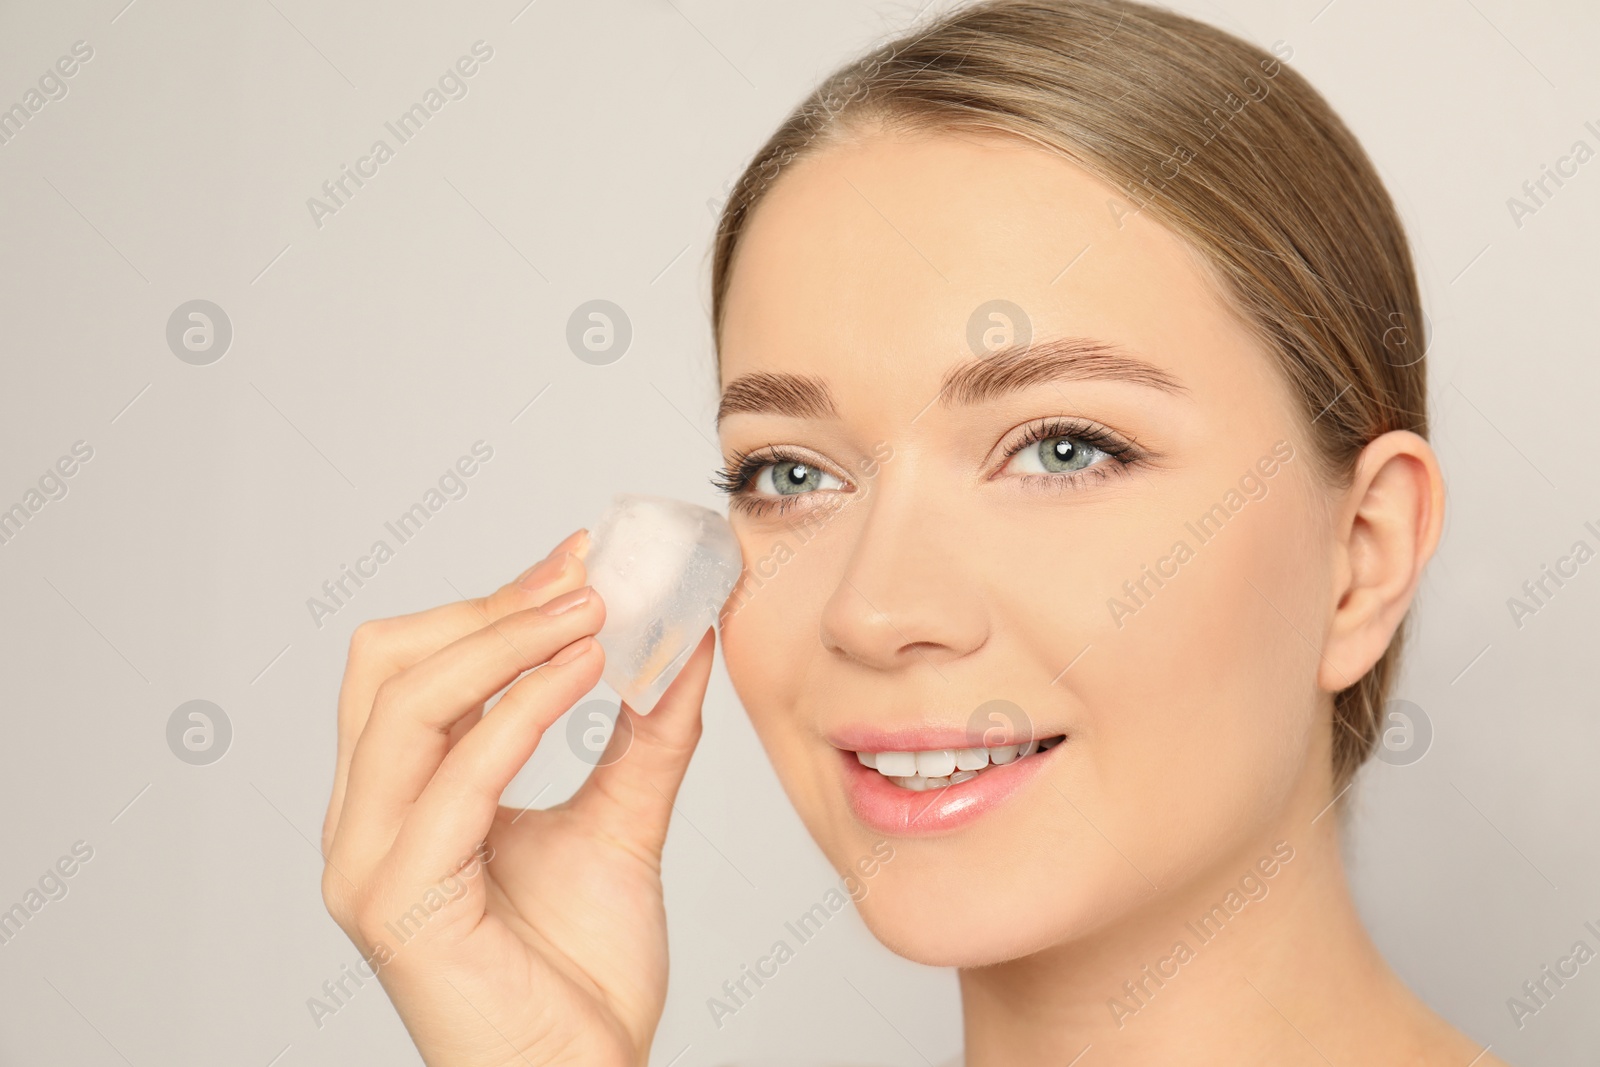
(1218,140)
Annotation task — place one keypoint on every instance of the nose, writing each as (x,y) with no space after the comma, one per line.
(909,594)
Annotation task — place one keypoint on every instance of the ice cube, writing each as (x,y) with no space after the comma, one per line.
(664,569)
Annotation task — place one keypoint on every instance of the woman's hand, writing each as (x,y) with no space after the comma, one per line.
(554,951)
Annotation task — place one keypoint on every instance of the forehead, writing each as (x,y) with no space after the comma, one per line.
(866,261)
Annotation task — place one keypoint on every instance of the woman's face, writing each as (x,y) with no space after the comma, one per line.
(1113,536)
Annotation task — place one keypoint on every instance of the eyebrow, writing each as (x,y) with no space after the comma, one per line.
(1007,369)
(796,395)
(1011,368)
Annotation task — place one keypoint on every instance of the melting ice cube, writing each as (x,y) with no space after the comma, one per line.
(664,569)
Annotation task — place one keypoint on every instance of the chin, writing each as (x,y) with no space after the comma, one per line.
(995,891)
(926,928)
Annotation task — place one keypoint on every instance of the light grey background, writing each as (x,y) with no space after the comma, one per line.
(430,312)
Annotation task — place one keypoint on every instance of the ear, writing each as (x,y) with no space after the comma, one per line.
(1388,526)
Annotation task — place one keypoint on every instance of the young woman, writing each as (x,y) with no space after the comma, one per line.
(1075,429)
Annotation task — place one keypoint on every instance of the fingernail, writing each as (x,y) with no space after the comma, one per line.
(572,651)
(565,602)
(543,571)
(573,541)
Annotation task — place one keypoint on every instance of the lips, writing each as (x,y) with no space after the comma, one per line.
(919,804)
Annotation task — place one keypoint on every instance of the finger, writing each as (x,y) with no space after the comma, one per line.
(383,648)
(407,735)
(456,810)
(631,795)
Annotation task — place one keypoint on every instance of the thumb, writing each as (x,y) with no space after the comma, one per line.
(631,793)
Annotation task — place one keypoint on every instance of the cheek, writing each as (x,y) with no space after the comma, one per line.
(773,652)
(1197,693)
(770,625)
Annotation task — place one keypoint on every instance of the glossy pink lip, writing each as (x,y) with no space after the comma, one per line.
(919,738)
(892,809)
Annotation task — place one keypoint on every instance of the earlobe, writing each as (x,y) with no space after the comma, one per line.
(1389,526)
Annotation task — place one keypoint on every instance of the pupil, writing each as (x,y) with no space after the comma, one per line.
(1063,449)
(798,474)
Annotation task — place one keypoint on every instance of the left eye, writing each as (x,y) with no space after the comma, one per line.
(790,478)
(1055,455)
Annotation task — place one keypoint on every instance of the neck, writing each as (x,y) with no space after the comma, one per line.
(1282,957)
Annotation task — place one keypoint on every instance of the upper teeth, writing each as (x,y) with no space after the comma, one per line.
(947,766)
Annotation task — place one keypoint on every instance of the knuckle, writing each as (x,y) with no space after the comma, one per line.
(369,638)
(369,925)
(365,928)
(336,896)
(390,694)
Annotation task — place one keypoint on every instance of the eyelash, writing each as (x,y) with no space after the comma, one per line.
(735,478)
(1122,451)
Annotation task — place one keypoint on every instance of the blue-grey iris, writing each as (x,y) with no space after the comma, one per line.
(1060,454)
(789,477)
